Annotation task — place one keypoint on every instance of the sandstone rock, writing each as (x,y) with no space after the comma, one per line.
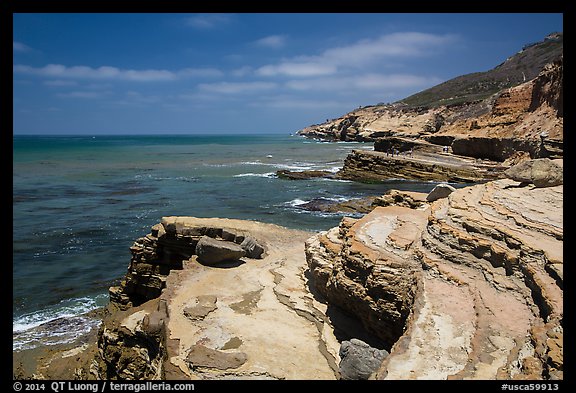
(493,127)
(403,144)
(355,273)
(245,332)
(155,322)
(252,248)
(494,148)
(211,251)
(359,360)
(204,357)
(301,175)
(469,289)
(541,172)
(439,192)
(168,245)
(131,343)
(259,307)
(202,306)
(370,166)
(413,200)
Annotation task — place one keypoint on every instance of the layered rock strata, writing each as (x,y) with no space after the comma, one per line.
(374,166)
(248,318)
(527,117)
(166,247)
(468,287)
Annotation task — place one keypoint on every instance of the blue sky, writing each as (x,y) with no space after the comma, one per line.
(143,73)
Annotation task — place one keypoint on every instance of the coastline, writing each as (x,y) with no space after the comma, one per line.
(199,327)
(38,361)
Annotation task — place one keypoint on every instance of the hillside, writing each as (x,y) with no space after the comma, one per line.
(519,68)
(522,98)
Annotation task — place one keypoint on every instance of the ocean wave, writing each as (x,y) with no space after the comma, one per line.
(329,179)
(232,164)
(60,324)
(299,202)
(268,175)
(65,309)
(297,167)
(293,166)
(59,331)
(296,202)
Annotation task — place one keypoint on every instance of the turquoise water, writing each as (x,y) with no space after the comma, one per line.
(80,201)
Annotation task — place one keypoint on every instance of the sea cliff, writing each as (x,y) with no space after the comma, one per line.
(464,142)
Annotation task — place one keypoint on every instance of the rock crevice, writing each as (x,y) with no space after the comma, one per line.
(474,282)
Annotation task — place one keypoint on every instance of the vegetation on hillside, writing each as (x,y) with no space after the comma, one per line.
(523,66)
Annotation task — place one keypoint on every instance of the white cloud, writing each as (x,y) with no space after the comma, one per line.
(20,47)
(207,21)
(199,73)
(236,87)
(272,41)
(394,45)
(363,82)
(360,54)
(297,69)
(114,73)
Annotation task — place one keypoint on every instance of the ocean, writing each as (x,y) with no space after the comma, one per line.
(79,202)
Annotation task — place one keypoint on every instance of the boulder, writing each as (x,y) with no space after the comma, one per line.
(252,248)
(439,192)
(359,360)
(211,251)
(541,172)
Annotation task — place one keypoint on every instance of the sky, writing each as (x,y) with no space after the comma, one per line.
(177,73)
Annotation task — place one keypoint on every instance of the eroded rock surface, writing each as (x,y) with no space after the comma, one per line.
(168,245)
(410,142)
(374,166)
(526,117)
(469,288)
(254,320)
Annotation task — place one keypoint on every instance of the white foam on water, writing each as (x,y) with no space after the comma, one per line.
(296,202)
(61,323)
(296,166)
(268,175)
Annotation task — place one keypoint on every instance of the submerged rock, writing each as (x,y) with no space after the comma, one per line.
(302,175)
